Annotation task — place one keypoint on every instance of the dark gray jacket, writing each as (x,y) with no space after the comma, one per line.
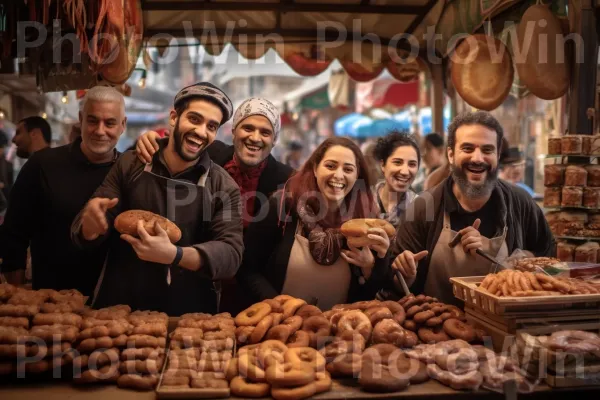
(216,235)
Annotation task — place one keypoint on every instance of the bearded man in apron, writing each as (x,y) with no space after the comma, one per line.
(491,215)
(184,185)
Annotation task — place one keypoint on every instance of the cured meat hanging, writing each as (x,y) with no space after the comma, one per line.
(121,21)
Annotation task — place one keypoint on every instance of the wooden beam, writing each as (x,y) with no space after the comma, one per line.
(305,35)
(583,94)
(284,7)
(419,18)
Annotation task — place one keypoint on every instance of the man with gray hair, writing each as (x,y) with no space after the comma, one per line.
(51,188)
(470,210)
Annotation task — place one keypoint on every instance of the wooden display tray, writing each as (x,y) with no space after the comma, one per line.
(467,290)
(570,381)
(503,330)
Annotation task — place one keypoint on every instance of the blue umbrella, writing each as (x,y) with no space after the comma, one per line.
(352,129)
(425,120)
(342,123)
(381,127)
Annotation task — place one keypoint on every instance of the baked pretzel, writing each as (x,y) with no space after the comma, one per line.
(24,297)
(17,322)
(253,315)
(6,291)
(156,329)
(138,382)
(242,387)
(141,341)
(13,335)
(58,319)
(106,374)
(112,329)
(63,333)
(12,310)
(149,366)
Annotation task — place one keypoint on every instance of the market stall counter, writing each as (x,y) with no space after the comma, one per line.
(431,389)
(52,345)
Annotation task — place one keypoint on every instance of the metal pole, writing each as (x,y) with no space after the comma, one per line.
(583,78)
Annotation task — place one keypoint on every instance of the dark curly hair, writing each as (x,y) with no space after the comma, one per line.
(475,118)
(388,144)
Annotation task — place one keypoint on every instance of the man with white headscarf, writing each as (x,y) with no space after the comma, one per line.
(256,126)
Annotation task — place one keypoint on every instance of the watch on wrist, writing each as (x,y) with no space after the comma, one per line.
(178,256)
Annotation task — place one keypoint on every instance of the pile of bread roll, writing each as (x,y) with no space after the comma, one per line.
(272,368)
(200,348)
(103,333)
(38,329)
(435,322)
(143,358)
(572,186)
(512,283)
(284,318)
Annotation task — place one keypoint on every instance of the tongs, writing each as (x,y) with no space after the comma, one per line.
(454,242)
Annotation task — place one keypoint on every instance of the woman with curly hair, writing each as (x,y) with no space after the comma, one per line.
(297,248)
(399,158)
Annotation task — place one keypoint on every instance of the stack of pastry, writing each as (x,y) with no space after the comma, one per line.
(52,334)
(201,346)
(534,264)
(40,325)
(273,368)
(565,353)
(511,283)
(435,322)
(103,333)
(142,361)
(386,368)
(283,318)
(459,365)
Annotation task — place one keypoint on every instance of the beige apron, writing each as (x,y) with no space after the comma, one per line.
(447,262)
(308,280)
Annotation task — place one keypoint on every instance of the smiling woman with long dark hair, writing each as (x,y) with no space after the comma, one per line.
(297,249)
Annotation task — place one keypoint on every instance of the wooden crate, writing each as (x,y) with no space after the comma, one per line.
(536,321)
(467,290)
(503,331)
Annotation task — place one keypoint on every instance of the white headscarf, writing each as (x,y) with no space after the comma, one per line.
(258,106)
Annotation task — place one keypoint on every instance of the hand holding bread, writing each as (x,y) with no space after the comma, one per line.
(127,223)
(372,232)
(153,248)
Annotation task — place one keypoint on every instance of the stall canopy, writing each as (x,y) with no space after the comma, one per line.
(308,34)
(386,92)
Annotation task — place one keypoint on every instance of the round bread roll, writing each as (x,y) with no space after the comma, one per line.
(482,77)
(544,69)
(356,230)
(126,222)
